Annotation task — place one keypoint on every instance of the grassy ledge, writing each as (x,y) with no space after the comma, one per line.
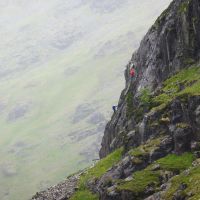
(151,177)
(95,172)
(141,180)
(86,194)
(145,149)
(186,82)
(174,162)
(183,84)
(184,6)
(192,182)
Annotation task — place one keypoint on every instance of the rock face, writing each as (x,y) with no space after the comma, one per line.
(171,44)
(151,146)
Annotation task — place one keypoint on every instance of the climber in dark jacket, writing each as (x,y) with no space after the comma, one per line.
(114,108)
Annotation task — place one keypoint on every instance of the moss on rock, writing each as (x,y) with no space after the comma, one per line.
(145,149)
(86,194)
(94,173)
(152,176)
(141,180)
(191,180)
(183,84)
(182,125)
(184,6)
(174,162)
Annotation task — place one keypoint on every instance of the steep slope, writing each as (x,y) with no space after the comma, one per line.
(50,106)
(151,146)
(159,159)
(171,44)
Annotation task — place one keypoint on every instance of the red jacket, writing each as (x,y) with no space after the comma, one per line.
(132,72)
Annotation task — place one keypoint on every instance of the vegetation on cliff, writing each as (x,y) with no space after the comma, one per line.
(149,176)
(185,82)
(93,173)
(190,180)
(158,115)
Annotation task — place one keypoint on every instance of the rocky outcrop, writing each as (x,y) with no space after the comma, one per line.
(62,191)
(177,128)
(171,44)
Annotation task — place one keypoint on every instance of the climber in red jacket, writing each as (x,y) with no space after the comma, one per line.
(132,73)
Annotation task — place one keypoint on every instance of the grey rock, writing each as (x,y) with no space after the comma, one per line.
(130,178)
(195,146)
(131,134)
(62,191)
(182,138)
(155,167)
(179,195)
(164,50)
(197,113)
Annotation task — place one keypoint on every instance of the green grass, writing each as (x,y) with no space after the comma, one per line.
(95,172)
(141,180)
(192,181)
(84,195)
(145,97)
(137,152)
(184,6)
(182,125)
(186,82)
(148,177)
(145,149)
(183,77)
(192,90)
(174,162)
(103,165)
(130,107)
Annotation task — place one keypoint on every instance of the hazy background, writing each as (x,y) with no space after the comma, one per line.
(61,70)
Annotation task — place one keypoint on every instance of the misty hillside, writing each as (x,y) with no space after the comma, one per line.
(61,65)
(151,145)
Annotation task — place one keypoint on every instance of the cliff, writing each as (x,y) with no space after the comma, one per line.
(171,44)
(151,146)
